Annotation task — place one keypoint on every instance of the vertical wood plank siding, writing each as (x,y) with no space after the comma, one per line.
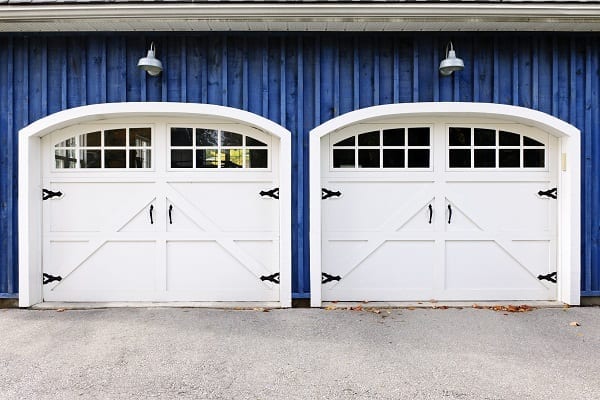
(300,81)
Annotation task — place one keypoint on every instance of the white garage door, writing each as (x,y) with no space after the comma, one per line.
(160,212)
(447,211)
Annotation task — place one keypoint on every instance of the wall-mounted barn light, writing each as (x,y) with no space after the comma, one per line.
(150,64)
(451,63)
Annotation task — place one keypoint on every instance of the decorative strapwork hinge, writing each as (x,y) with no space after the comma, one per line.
(326,193)
(48,194)
(550,277)
(50,278)
(548,193)
(325,277)
(274,193)
(271,278)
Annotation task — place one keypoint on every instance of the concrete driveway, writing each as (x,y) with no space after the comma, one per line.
(168,353)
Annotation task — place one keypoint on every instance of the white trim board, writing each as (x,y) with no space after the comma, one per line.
(30,199)
(569,186)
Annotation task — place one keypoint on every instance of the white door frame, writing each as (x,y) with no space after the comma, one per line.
(30,179)
(569,185)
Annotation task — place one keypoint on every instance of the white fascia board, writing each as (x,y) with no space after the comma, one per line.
(497,16)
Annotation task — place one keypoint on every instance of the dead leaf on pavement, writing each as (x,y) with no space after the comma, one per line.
(574,323)
(330,307)
(357,308)
(60,309)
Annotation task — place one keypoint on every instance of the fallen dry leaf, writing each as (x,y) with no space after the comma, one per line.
(365,301)
(60,309)
(330,307)
(411,308)
(574,323)
(357,308)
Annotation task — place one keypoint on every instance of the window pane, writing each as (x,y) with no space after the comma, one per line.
(208,158)
(346,142)
(256,158)
(418,137)
(181,137)
(140,158)
(114,159)
(181,159)
(343,159)
(393,137)
(140,137)
(527,141)
(207,137)
(418,158)
(509,139)
(460,158)
(91,139)
(485,158)
(368,158)
(533,158)
(231,139)
(393,158)
(459,137)
(368,139)
(65,159)
(509,158)
(70,142)
(114,138)
(232,158)
(253,142)
(90,158)
(484,137)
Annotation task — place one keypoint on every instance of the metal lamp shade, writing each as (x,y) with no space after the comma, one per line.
(150,64)
(451,63)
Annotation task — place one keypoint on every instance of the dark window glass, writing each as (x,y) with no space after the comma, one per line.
(256,158)
(343,158)
(418,137)
(181,137)
(70,142)
(369,139)
(140,137)
(139,158)
(181,159)
(527,141)
(346,142)
(207,137)
(115,159)
(509,139)
(418,158)
(253,142)
(533,158)
(115,138)
(65,158)
(231,139)
(485,158)
(91,139)
(90,158)
(460,158)
(460,137)
(484,137)
(393,158)
(393,137)
(205,158)
(368,158)
(509,158)
(232,158)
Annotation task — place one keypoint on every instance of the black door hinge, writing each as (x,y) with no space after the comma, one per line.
(271,278)
(48,194)
(274,193)
(326,193)
(550,277)
(548,193)
(325,277)
(50,278)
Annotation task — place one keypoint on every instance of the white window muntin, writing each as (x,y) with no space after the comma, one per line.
(356,130)
(245,131)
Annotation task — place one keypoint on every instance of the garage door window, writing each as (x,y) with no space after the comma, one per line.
(385,148)
(491,148)
(213,148)
(109,148)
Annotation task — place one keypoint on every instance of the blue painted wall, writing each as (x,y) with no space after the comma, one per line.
(299,81)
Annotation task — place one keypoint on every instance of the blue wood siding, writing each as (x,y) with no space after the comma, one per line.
(300,81)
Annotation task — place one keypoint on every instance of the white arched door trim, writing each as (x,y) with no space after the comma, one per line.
(30,199)
(569,237)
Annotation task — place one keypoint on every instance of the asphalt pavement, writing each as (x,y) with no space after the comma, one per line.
(365,353)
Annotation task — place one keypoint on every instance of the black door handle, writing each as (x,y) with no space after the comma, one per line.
(449,213)
(170,209)
(151,209)
(430,213)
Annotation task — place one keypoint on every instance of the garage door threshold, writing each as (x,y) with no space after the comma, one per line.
(241,305)
(442,304)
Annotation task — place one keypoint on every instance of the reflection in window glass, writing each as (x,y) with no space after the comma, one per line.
(533,158)
(181,159)
(418,137)
(67,143)
(232,158)
(207,137)
(231,139)
(65,158)
(527,141)
(368,158)
(253,142)
(90,158)
(256,158)
(393,137)
(115,159)
(140,137)
(346,142)
(92,139)
(484,137)
(139,158)
(393,158)
(460,158)
(485,158)
(418,158)
(459,137)
(115,138)
(509,139)
(509,158)
(207,158)
(368,139)
(181,137)
(343,158)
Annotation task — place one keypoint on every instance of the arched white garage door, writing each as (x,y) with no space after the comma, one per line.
(166,207)
(445,206)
